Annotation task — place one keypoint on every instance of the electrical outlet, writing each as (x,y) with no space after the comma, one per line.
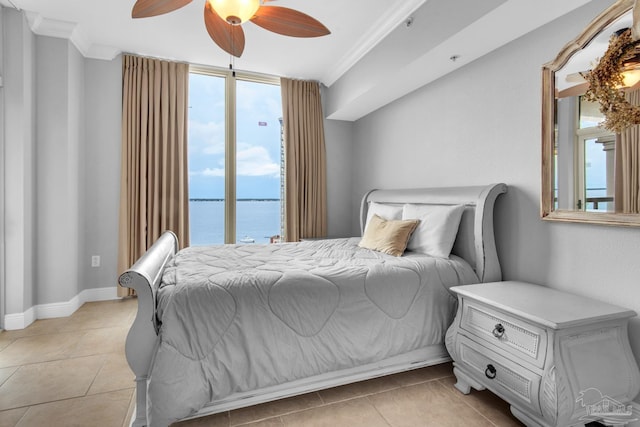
(95,261)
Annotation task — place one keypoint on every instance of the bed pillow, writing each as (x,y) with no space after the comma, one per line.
(383,211)
(437,230)
(388,236)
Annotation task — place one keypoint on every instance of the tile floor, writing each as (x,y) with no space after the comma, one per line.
(72,372)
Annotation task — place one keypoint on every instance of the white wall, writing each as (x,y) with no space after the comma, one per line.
(481,124)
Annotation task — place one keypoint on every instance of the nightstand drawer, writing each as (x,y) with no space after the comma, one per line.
(501,375)
(525,341)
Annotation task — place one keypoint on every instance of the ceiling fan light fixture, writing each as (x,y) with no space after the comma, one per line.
(630,77)
(235,12)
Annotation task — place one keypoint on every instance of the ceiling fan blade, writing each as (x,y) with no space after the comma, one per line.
(576,77)
(147,8)
(575,90)
(288,22)
(229,37)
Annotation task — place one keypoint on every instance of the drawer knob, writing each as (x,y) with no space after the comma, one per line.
(490,372)
(498,331)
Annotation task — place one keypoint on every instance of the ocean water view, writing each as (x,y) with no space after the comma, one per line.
(256,220)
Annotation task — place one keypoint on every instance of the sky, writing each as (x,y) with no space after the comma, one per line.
(258,108)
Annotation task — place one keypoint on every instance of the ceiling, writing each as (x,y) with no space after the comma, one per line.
(102,29)
(585,59)
(359,30)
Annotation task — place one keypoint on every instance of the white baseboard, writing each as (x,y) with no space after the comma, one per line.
(19,320)
(58,309)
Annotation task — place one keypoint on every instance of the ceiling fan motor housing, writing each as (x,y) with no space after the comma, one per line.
(235,12)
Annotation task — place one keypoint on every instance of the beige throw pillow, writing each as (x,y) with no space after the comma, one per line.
(388,236)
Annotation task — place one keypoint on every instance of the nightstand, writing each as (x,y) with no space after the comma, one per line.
(558,359)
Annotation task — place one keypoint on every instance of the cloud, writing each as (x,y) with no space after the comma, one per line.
(258,99)
(212,172)
(207,137)
(255,161)
(251,160)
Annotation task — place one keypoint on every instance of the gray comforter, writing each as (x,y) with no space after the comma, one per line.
(243,317)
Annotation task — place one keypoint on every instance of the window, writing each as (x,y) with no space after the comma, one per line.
(595,160)
(235,155)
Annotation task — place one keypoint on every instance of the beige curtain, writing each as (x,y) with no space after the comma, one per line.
(627,168)
(154,177)
(305,161)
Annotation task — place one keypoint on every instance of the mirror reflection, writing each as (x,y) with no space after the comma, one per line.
(590,173)
(584,159)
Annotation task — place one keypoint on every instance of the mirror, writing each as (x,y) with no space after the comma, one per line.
(582,177)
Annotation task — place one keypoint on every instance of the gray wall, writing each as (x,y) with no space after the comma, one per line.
(19,161)
(61,141)
(338,137)
(2,252)
(481,124)
(101,169)
(59,83)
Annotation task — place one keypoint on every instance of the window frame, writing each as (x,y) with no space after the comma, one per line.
(230,142)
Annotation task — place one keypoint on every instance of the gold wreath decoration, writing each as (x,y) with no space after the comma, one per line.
(606,84)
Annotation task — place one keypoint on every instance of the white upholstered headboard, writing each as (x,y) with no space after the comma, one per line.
(475,240)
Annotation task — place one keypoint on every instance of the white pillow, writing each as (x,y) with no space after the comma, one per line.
(437,229)
(388,212)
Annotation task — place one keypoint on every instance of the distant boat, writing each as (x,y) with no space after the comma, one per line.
(247,239)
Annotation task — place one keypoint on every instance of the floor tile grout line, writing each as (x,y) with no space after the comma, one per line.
(279,417)
(325,404)
(23,415)
(321,405)
(104,362)
(64,357)
(125,417)
(57,360)
(12,374)
(375,408)
(462,400)
(109,391)
(130,413)
(66,331)
(385,390)
(65,399)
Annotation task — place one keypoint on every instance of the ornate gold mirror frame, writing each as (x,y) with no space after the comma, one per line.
(547,205)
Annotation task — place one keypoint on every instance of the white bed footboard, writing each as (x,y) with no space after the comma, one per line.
(144,277)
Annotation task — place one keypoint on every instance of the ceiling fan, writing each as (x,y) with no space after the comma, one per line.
(578,83)
(223,19)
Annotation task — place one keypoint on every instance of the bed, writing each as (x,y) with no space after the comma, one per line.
(229,326)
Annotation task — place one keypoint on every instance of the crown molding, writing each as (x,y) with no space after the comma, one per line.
(59,29)
(105,53)
(380,29)
(70,31)
(9,4)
